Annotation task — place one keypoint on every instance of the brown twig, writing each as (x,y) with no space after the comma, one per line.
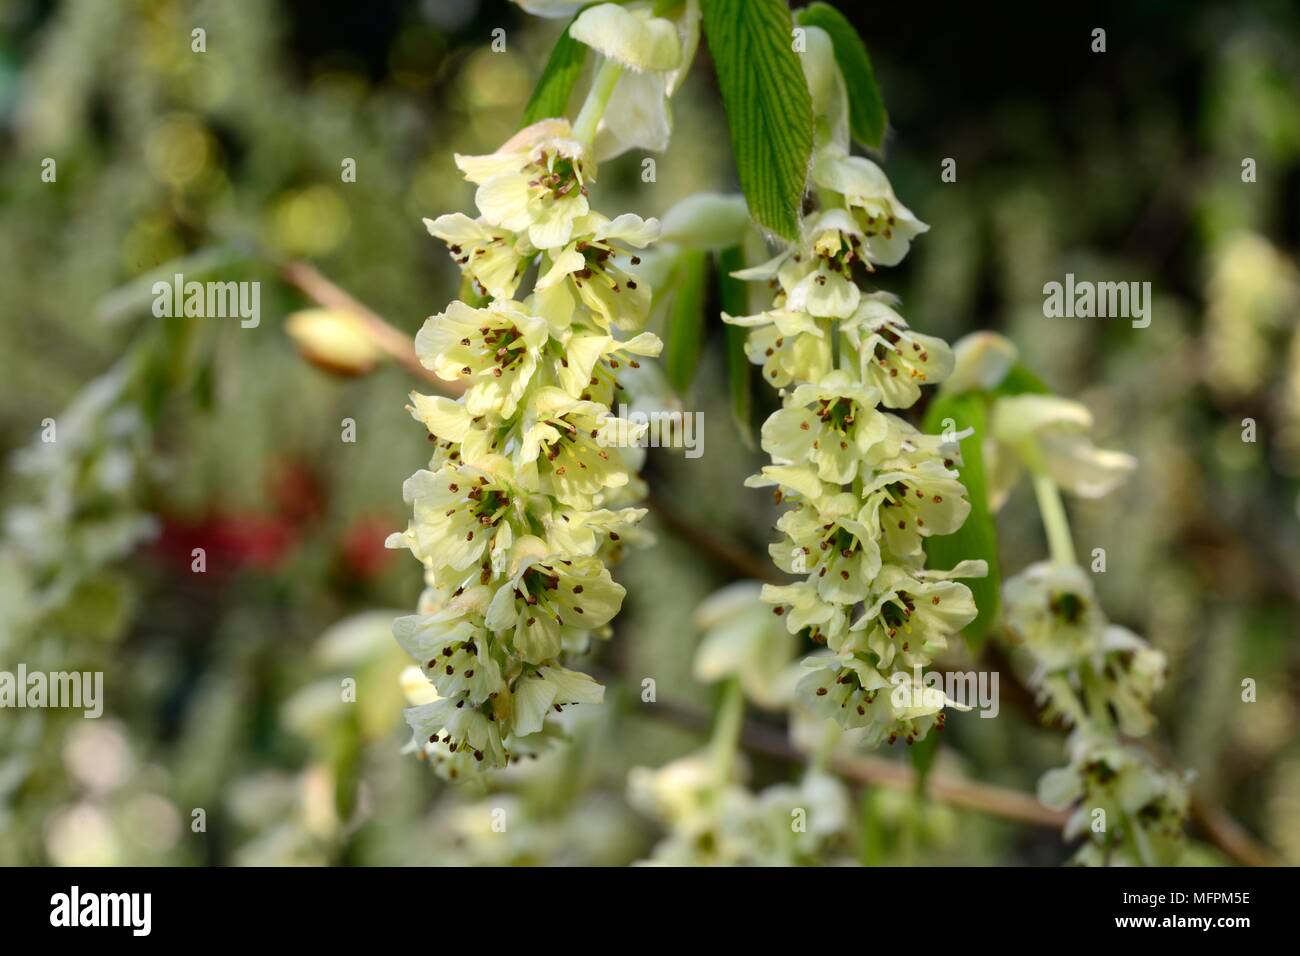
(725,553)
(1229,835)
(395,343)
(877,771)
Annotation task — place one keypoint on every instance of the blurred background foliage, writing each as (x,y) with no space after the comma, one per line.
(223,688)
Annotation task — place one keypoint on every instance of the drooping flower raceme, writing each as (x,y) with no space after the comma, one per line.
(529,488)
(1086,666)
(1132,810)
(864,487)
(713,822)
(1099,679)
(1094,676)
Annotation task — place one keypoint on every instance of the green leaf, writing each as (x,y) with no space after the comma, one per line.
(867,118)
(1019,381)
(136,296)
(685,333)
(205,384)
(870,831)
(923,754)
(977,538)
(733,299)
(555,85)
(769,110)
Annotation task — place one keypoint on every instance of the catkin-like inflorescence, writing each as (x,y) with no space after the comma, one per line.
(864,487)
(1099,679)
(528,494)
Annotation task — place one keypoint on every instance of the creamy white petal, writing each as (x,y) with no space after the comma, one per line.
(637,117)
(640,42)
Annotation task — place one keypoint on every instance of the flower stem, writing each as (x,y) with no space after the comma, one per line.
(848,357)
(829,198)
(602,87)
(1055,523)
(1094,700)
(821,757)
(726,729)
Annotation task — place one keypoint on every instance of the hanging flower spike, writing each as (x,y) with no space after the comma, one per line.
(522,504)
(1132,811)
(865,487)
(1052,611)
(1094,676)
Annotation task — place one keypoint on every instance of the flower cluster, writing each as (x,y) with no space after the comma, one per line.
(713,822)
(865,487)
(741,640)
(527,495)
(1099,679)
(1092,675)
(1132,810)
(1084,664)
